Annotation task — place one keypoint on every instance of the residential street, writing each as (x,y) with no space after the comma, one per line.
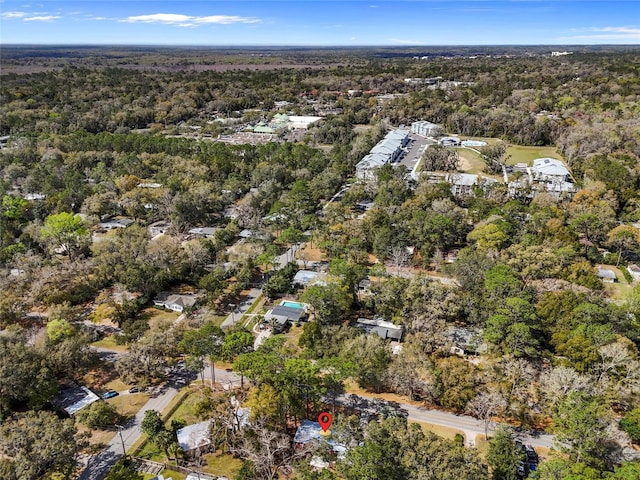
(101,463)
(280,261)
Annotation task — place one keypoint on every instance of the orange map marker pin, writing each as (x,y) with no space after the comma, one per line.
(325,419)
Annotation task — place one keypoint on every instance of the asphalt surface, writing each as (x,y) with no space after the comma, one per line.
(99,465)
(236,315)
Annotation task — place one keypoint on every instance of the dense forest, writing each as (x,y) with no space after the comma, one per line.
(96,134)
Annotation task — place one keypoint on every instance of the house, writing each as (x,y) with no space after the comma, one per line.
(606,275)
(450,142)
(158,228)
(634,270)
(426,129)
(310,431)
(281,315)
(111,223)
(176,302)
(381,327)
(549,170)
(205,232)
(73,398)
(465,340)
(193,438)
(462,184)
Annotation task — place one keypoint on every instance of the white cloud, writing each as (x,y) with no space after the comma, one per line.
(187,20)
(45,18)
(13,14)
(607,33)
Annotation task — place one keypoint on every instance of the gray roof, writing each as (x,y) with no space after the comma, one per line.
(74,399)
(380,327)
(549,166)
(304,277)
(206,231)
(194,436)
(606,273)
(287,313)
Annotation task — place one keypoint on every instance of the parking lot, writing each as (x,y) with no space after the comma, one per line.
(414,151)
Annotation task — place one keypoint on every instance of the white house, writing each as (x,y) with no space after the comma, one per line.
(551,175)
(176,302)
(462,183)
(112,223)
(206,232)
(606,275)
(194,437)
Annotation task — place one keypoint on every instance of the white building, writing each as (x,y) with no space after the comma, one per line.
(426,129)
(366,168)
(551,175)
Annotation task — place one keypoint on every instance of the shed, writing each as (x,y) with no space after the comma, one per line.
(606,275)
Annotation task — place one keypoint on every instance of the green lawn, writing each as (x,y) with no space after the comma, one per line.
(110,342)
(223,465)
(186,410)
(471,161)
(519,154)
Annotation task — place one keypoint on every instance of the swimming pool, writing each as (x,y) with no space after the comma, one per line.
(474,143)
(287,303)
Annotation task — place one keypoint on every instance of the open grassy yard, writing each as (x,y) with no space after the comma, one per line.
(470,161)
(129,404)
(156,315)
(444,432)
(222,464)
(186,410)
(520,154)
(109,342)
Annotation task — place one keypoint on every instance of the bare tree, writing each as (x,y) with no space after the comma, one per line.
(269,451)
(400,257)
(485,406)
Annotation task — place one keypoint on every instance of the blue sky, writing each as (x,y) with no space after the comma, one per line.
(310,22)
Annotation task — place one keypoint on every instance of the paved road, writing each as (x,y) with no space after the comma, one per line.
(99,465)
(280,262)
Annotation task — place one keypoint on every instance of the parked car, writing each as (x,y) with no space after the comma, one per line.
(109,394)
(136,389)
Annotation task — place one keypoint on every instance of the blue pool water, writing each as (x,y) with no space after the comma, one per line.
(286,303)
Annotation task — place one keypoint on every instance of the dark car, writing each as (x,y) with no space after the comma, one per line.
(109,394)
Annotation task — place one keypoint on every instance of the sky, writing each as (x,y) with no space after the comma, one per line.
(320,23)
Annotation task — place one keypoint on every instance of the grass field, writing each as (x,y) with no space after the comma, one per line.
(519,154)
(109,342)
(470,161)
(129,405)
(444,432)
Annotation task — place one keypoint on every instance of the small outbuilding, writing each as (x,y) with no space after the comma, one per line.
(606,275)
